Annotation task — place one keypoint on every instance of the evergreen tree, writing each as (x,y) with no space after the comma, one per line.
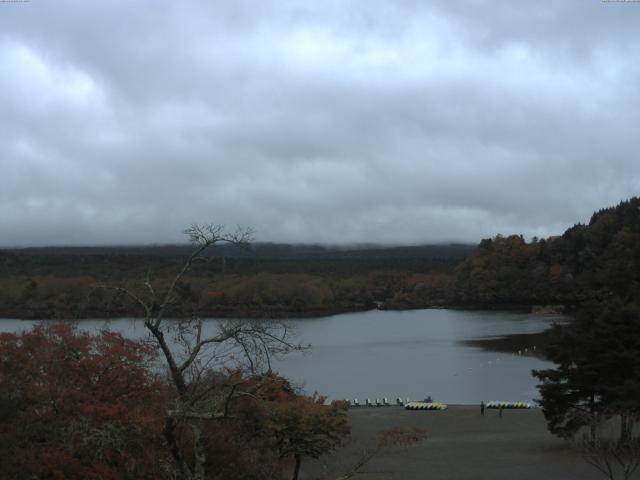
(598,368)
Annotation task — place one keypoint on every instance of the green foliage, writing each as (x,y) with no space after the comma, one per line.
(598,367)
(592,261)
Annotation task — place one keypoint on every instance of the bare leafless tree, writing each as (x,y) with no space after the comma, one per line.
(386,440)
(612,444)
(196,353)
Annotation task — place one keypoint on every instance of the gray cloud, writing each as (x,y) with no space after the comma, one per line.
(377,121)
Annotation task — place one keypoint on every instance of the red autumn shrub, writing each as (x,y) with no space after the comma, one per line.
(75,405)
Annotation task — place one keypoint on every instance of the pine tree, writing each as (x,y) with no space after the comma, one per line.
(598,368)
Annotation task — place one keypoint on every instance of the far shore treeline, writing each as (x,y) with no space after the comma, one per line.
(591,261)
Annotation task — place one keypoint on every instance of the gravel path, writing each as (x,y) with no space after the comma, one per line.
(460,444)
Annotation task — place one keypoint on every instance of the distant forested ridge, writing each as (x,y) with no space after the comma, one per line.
(263,280)
(258,251)
(588,262)
(592,262)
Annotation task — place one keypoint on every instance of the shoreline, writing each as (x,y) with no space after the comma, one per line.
(276,314)
(460,444)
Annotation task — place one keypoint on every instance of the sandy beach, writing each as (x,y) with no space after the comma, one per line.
(460,444)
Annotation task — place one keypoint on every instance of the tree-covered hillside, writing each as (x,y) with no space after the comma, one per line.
(594,261)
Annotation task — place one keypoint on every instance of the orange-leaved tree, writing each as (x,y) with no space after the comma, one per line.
(302,425)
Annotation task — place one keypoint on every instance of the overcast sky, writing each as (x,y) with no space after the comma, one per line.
(314,121)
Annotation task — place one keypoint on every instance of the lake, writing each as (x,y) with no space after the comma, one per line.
(410,354)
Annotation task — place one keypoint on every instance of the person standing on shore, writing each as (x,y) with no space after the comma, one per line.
(500,411)
(482,407)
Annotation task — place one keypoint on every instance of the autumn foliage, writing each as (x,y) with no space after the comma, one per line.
(78,406)
(302,426)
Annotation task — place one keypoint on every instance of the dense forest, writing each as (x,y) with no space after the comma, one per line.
(262,280)
(588,262)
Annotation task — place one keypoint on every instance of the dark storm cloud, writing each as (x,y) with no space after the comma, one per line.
(343,121)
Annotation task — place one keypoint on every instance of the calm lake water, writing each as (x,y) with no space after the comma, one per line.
(410,354)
